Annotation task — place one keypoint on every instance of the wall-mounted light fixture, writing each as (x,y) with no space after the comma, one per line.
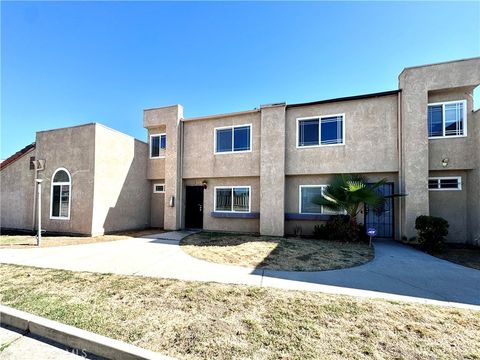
(445,162)
(205,183)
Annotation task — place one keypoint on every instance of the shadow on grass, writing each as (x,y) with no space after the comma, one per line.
(276,253)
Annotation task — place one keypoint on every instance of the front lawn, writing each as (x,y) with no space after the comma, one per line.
(194,320)
(275,253)
(20,241)
(469,257)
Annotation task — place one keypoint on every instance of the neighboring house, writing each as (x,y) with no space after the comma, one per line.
(258,170)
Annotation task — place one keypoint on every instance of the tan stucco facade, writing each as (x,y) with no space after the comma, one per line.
(384,135)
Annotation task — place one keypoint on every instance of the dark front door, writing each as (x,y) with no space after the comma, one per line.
(194,207)
(381,219)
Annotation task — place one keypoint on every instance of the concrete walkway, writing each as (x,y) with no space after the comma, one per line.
(398,272)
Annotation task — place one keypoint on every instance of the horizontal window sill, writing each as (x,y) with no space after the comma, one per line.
(237,215)
(315,217)
(231,152)
(318,146)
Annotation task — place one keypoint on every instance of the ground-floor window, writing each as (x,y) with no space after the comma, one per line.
(158,188)
(445,183)
(307,196)
(60,195)
(232,199)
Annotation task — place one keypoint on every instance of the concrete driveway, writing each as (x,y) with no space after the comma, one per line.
(398,272)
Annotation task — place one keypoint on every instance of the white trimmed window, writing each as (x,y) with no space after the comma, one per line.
(445,183)
(232,199)
(158,188)
(158,144)
(233,139)
(321,131)
(307,196)
(447,119)
(60,195)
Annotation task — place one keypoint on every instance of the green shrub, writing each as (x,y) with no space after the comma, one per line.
(339,228)
(431,232)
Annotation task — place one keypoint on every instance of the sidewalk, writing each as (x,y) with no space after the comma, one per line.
(398,272)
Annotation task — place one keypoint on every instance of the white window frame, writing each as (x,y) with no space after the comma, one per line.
(232,188)
(150,146)
(69,183)
(323,186)
(155,188)
(319,117)
(233,138)
(443,103)
(438,178)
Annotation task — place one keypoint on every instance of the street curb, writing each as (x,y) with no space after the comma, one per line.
(75,338)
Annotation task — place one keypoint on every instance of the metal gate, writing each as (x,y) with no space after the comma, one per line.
(382,219)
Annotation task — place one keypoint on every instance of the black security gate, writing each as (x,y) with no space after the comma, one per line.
(381,219)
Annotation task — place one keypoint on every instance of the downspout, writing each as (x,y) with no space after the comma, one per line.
(34,195)
(180,173)
(400,162)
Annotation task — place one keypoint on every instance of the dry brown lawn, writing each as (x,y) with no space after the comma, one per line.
(21,241)
(465,257)
(193,320)
(275,253)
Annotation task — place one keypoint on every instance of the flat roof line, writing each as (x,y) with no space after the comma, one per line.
(216,116)
(347,98)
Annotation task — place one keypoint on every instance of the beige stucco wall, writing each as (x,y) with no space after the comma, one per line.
(157,205)
(199,159)
(452,206)
(416,83)
(228,224)
(459,150)
(169,117)
(74,149)
(370,138)
(121,190)
(292,186)
(473,184)
(272,171)
(17,192)
(156,166)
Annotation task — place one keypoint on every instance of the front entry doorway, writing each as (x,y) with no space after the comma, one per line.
(194,207)
(382,219)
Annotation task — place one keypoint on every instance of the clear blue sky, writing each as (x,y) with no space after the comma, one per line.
(70,63)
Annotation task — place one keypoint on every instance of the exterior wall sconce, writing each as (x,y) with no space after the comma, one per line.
(445,162)
(204,184)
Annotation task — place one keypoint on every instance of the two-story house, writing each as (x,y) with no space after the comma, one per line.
(258,170)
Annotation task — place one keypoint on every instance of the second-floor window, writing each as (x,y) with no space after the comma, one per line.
(447,119)
(233,139)
(320,131)
(158,144)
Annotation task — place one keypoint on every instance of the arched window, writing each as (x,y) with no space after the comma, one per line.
(60,203)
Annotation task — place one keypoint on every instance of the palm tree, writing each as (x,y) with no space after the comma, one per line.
(349,193)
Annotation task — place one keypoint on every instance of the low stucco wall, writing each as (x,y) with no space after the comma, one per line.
(227,224)
(452,206)
(121,190)
(17,192)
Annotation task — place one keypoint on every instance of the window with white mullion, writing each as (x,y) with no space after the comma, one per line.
(321,131)
(447,119)
(232,199)
(445,183)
